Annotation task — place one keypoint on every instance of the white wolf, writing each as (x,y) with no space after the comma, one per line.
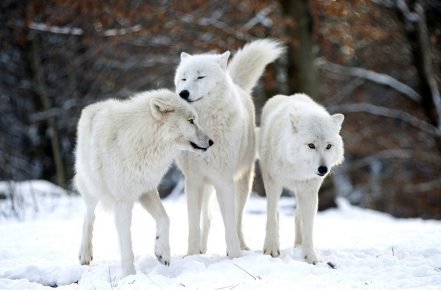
(221,96)
(123,149)
(299,143)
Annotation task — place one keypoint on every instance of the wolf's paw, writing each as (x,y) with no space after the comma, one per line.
(85,255)
(271,247)
(165,260)
(203,249)
(244,247)
(162,251)
(311,256)
(195,250)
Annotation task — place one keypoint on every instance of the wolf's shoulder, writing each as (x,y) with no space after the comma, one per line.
(90,110)
(272,104)
(304,104)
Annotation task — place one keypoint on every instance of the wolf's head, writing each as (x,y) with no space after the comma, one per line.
(316,144)
(200,77)
(179,121)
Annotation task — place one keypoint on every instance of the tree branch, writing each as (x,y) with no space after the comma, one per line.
(392,154)
(423,187)
(385,154)
(56,29)
(372,76)
(121,31)
(38,26)
(423,38)
(418,34)
(388,113)
(385,3)
(345,91)
(260,17)
(213,20)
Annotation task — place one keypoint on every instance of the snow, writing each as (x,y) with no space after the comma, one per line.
(31,198)
(370,250)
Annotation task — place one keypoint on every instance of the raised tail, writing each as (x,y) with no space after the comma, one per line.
(248,63)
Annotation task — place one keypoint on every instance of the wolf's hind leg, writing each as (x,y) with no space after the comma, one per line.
(244,186)
(86,250)
(206,216)
(225,193)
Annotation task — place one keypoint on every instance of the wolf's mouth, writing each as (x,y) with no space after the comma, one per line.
(321,174)
(198,147)
(192,101)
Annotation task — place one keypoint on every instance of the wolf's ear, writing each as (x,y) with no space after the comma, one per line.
(223,60)
(159,107)
(294,123)
(338,120)
(184,55)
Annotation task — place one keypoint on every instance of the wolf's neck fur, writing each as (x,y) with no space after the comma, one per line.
(137,144)
(222,104)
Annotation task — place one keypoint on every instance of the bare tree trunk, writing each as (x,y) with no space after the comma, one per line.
(302,76)
(46,102)
(301,71)
(414,19)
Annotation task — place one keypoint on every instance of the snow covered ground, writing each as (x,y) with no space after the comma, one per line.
(370,250)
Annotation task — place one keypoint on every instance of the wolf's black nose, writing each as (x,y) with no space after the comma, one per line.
(184,94)
(210,143)
(322,169)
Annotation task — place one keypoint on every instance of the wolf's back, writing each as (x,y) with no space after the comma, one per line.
(248,63)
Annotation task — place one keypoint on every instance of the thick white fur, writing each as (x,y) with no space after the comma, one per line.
(226,113)
(288,125)
(246,67)
(123,149)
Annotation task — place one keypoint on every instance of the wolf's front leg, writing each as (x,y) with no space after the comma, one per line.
(152,203)
(298,226)
(123,220)
(244,186)
(206,216)
(273,192)
(194,188)
(308,202)
(226,193)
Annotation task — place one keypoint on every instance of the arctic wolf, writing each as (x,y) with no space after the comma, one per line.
(220,93)
(123,149)
(299,143)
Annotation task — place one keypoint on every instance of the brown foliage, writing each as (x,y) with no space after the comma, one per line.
(130,46)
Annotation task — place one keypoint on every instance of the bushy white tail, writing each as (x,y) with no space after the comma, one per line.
(248,63)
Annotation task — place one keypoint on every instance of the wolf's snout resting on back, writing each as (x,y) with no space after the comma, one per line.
(299,143)
(220,93)
(123,150)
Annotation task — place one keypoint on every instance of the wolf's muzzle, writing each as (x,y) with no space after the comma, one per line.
(184,94)
(195,146)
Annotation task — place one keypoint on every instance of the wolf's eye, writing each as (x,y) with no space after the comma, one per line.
(199,78)
(329,146)
(310,145)
(184,80)
(191,121)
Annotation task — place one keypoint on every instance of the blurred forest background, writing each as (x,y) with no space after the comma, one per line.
(376,61)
